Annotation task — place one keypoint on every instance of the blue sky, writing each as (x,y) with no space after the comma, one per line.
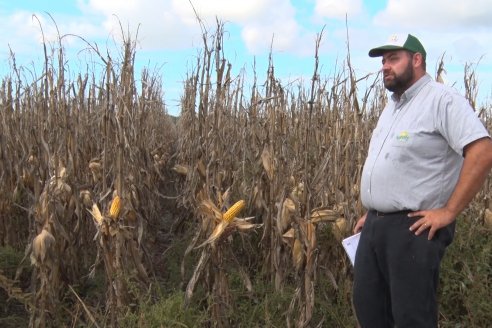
(169,37)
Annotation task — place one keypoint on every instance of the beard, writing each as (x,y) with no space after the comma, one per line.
(400,82)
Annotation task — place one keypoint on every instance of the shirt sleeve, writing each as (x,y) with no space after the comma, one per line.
(458,123)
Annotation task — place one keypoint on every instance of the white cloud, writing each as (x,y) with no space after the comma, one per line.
(27,31)
(279,35)
(277,22)
(338,9)
(160,25)
(259,21)
(461,29)
(238,11)
(110,7)
(439,14)
(168,24)
(20,24)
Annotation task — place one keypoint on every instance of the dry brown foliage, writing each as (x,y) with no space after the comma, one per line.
(66,144)
(69,146)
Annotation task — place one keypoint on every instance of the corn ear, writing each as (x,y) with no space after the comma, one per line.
(323,214)
(181,169)
(42,248)
(96,214)
(233,211)
(115,208)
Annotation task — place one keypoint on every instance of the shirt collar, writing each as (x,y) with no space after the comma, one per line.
(413,90)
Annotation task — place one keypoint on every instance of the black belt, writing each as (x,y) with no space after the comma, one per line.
(381,214)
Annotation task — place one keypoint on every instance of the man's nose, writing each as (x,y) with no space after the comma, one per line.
(385,67)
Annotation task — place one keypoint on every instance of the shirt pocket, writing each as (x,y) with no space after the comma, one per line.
(403,138)
(421,145)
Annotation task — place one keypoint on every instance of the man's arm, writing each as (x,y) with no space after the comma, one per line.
(476,167)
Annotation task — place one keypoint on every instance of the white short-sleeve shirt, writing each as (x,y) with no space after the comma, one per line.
(416,150)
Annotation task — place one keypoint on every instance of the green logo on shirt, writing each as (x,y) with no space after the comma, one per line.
(403,136)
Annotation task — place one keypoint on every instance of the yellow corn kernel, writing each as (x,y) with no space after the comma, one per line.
(233,211)
(114,210)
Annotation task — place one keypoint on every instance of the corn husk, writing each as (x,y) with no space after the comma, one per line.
(488,218)
(181,169)
(323,214)
(96,214)
(42,247)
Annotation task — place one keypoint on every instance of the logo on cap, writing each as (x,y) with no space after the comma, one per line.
(396,40)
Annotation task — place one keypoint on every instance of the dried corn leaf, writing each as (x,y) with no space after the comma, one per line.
(13,291)
(289,205)
(289,237)
(266,160)
(298,255)
(196,276)
(208,208)
(310,235)
(216,234)
(223,198)
(298,191)
(244,276)
(200,167)
(244,225)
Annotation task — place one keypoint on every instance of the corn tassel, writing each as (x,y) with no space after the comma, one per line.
(233,211)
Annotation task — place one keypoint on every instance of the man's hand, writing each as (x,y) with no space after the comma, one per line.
(432,220)
(476,167)
(360,223)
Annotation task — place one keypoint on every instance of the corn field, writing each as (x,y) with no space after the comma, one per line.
(258,184)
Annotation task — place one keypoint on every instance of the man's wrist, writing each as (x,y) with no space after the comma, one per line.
(453,211)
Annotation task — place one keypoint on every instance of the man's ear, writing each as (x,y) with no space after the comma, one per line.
(418,59)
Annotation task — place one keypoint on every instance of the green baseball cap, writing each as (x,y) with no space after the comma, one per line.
(398,42)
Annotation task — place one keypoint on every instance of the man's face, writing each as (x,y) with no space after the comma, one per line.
(397,70)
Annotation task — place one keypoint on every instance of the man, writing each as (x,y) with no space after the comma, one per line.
(428,157)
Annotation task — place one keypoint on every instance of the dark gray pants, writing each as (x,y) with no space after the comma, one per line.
(396,273)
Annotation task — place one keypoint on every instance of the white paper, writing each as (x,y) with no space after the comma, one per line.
(350,244)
